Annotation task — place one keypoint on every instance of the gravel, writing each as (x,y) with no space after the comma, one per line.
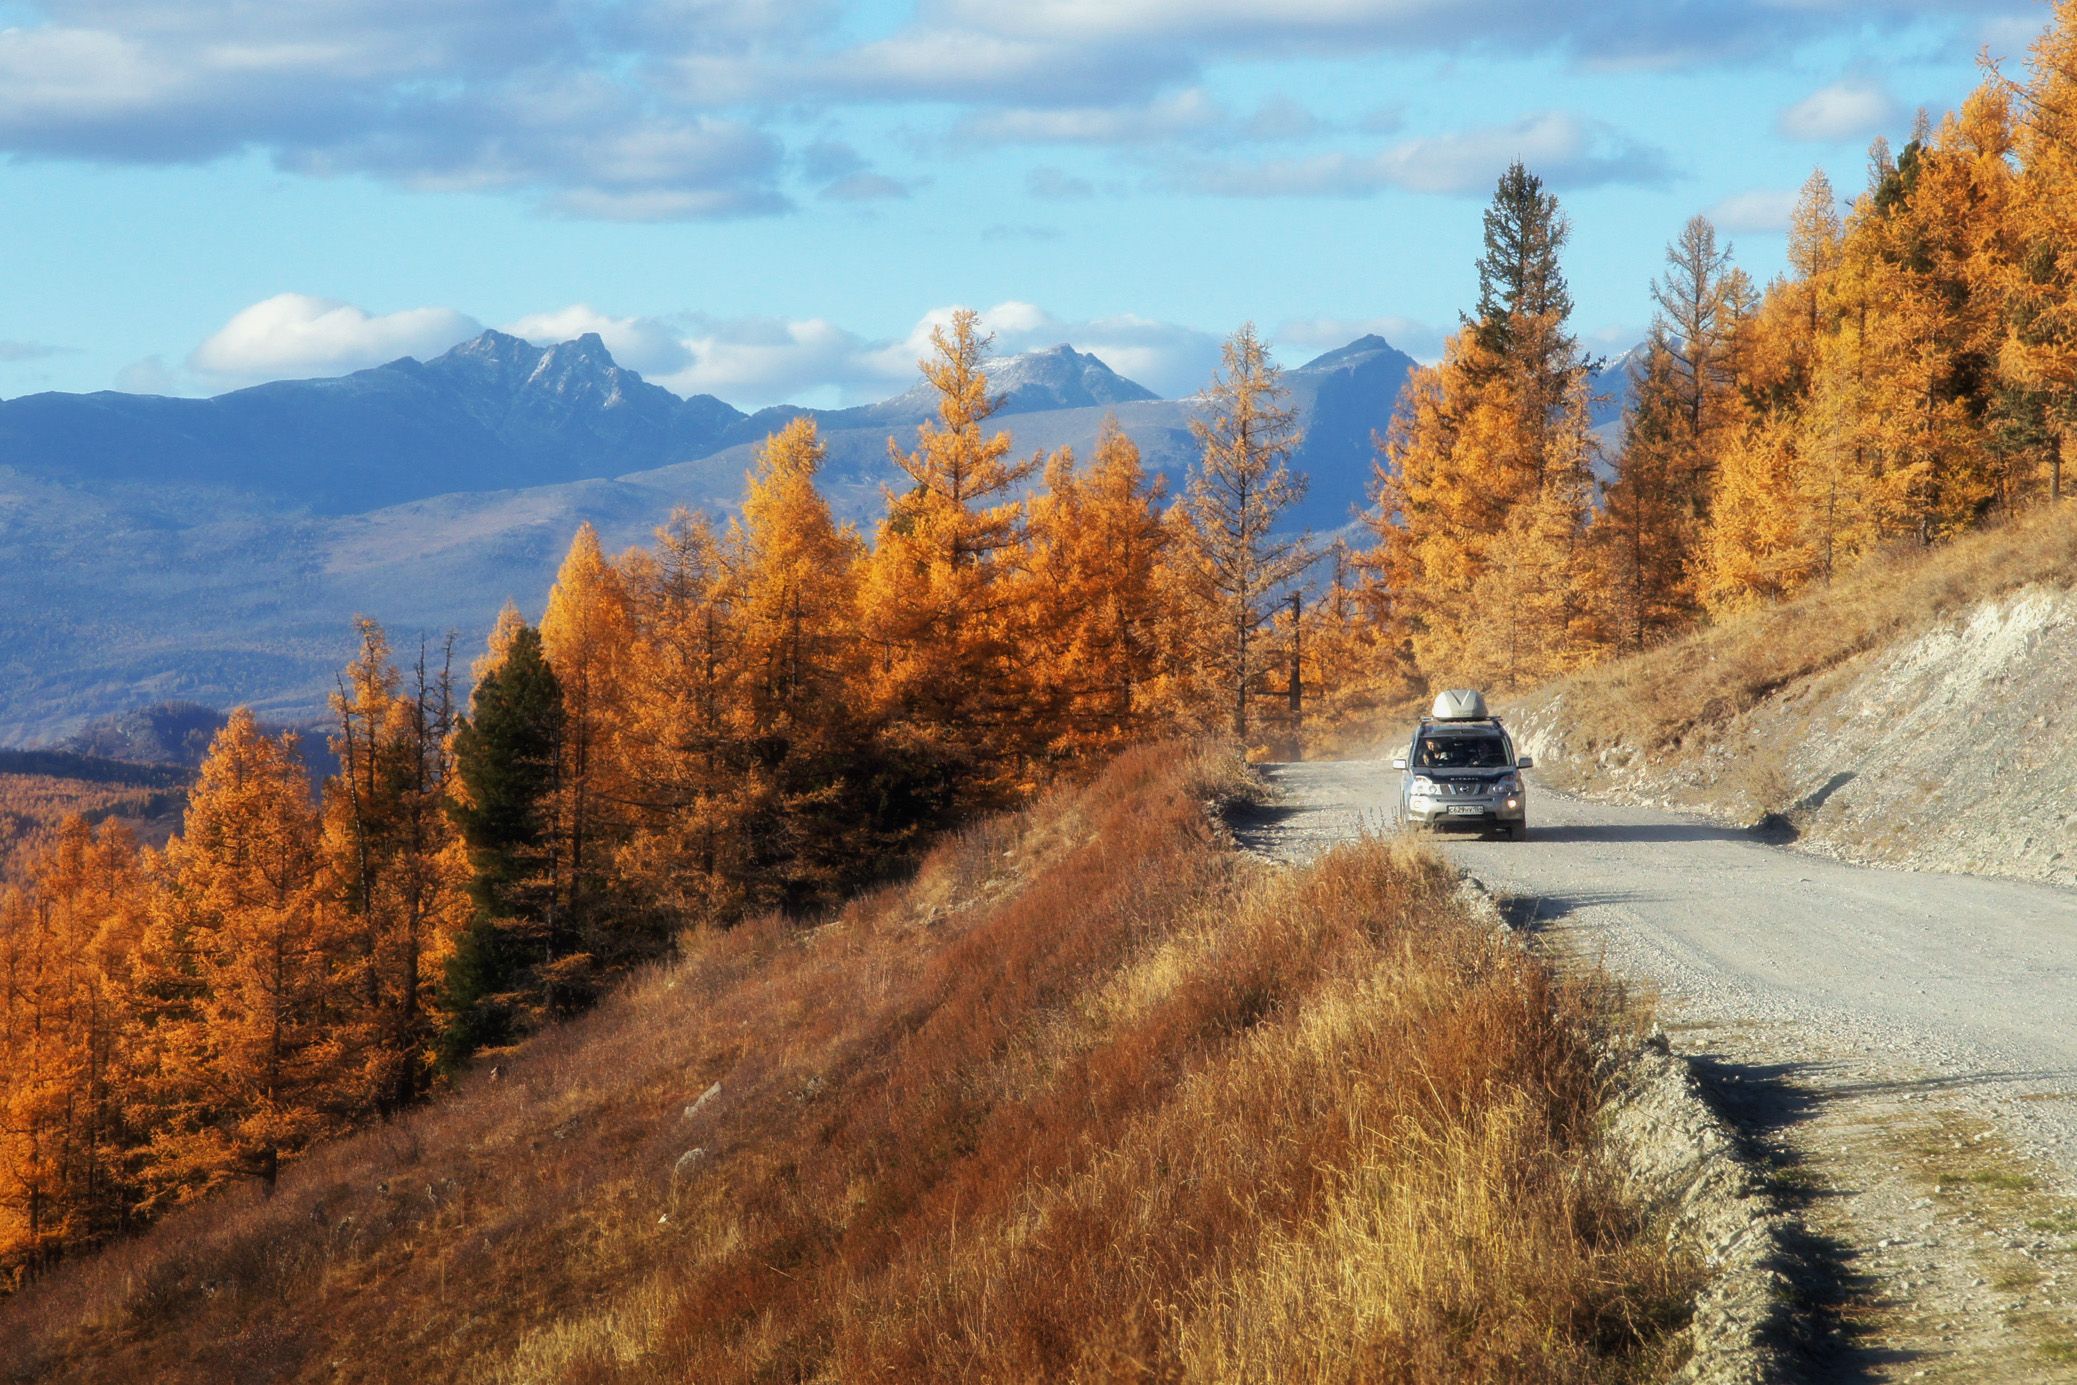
(1857,1026)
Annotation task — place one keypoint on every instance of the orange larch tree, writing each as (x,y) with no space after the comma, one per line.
(584,634)
(394,858)
(938,606)
(687,708)
(246,1061)
(1483,490)
(1095,607)
(800,717)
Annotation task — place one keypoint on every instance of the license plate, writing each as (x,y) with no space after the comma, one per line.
(1466,812)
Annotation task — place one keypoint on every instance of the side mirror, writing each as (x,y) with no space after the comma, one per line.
(1399,762)
(1525,762)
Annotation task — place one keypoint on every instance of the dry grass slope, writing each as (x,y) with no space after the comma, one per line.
(1091,1097)
(1685,689)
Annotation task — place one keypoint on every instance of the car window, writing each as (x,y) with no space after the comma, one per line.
(1462,752)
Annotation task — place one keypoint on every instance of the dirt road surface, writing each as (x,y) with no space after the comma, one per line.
(1898,1049)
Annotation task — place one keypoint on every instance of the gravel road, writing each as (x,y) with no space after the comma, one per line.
(1901,1048)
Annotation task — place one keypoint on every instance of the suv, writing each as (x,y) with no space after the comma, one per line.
(1462,770)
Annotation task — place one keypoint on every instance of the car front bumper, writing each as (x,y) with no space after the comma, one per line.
(1467,813)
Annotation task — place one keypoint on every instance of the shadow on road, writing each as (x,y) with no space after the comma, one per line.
(1643,832)
(1533,913)
(1825,1322)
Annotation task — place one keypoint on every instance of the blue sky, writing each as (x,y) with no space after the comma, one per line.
(771,199)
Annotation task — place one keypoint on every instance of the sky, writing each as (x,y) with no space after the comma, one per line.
(772,200)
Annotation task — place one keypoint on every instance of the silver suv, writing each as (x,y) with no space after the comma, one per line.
(1462,771)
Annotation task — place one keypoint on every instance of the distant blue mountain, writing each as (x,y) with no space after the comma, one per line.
(215,551)
(493,412)
(1346,399)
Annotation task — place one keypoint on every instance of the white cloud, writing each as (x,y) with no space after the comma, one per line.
(1189,116)
(1566,150)
(963,64)
(646,345)
(296,334)
(1186,114)
(750,362)
(1058,185)
(1762,211)
(1856,108)
(866,187)
(1625,33)
(551,97)
(16,351)
(759,361)
(152,376)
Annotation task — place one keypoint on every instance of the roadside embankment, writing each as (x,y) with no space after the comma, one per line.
(1093,1096)
(1921,712)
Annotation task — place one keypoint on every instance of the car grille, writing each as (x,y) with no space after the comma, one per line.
(1460,788)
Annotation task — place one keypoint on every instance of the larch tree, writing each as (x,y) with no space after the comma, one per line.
(1645,531)
(35,1085)
(67,934)
(796,593)
(584,636)
(687,707)
(1236,497)
(250,1064)
(1760,545)
(1483,488)
(393,854)
(1688,404)
(2038,357)
(1355,663)
(1097,542)
(937,605)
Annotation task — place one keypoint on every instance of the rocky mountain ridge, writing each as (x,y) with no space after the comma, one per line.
(216,551)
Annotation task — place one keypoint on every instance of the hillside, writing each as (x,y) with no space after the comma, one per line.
(492,413)
(1093,1095)
(40,788)
(216,551)
(1916,712)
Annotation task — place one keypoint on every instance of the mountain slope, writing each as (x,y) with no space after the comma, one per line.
(1093,1096)
(494,412)
(1346,398)
(156,549)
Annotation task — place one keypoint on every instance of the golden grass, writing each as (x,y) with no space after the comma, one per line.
(1684,689)
(1091,1097)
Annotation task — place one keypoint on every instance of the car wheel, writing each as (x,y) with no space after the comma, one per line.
(1518,831)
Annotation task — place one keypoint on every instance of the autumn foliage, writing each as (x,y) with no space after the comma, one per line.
(1091,1096)
(761,715)
(1909,379)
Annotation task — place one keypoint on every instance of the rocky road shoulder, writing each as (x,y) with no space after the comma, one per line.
(1892,1057)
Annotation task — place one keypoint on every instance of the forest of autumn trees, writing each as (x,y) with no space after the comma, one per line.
(768,711)
(759,714)
(1911,376)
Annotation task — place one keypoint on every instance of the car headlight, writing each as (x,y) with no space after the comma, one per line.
(1423,787)
(1510,784)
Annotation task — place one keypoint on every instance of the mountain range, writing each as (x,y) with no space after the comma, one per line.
(215,550)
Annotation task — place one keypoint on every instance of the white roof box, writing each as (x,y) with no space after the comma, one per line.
(1460,704)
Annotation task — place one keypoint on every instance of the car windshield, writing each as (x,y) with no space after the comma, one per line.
(1462,752)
